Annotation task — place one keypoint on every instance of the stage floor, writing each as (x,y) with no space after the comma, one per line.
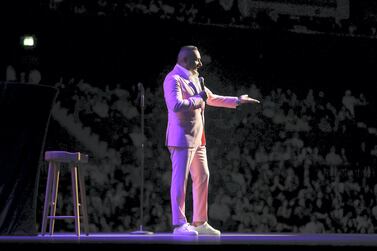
(166,241)
(225,238)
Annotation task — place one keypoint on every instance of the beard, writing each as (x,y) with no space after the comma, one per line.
(195,72)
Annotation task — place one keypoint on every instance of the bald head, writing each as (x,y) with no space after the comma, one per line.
(186,51)
(189,58)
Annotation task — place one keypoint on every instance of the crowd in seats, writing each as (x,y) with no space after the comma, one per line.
(292,164)
(230,13)
(306,175)
(31,76)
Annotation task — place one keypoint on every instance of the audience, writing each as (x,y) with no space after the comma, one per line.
(234,13)
(279,180)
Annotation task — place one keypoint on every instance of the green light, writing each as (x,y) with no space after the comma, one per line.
(28,41)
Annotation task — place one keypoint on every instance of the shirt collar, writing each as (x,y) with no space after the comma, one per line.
(188,73)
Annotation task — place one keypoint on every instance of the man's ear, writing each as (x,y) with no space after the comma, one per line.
(185,59)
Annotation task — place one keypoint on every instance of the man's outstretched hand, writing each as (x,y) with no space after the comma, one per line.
(244,99)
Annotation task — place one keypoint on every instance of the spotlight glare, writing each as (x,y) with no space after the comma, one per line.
(28,41)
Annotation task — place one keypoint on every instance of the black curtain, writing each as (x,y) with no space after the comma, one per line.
(25,111)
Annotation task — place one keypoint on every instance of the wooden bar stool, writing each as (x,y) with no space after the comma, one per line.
(55,158)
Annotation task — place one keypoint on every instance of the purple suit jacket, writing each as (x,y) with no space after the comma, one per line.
(186,108)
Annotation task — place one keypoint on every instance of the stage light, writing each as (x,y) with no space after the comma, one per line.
(28,41)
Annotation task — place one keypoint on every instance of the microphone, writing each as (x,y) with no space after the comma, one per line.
(203,93)
(201,80)
(141,89)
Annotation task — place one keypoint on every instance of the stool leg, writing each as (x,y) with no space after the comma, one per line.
(75,199)
(55,187)
(83,201)
(47,197)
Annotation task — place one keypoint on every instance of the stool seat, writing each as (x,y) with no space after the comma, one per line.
(66,157)
(73,159)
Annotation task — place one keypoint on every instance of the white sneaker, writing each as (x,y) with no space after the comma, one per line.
(185,229)
(205,229)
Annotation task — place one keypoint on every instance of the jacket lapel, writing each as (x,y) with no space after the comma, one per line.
(193,87)
(188,85)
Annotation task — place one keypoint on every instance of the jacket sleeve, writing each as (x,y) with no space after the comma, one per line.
(221,101)
(174,98)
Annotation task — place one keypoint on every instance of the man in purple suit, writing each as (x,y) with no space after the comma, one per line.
(186,98)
